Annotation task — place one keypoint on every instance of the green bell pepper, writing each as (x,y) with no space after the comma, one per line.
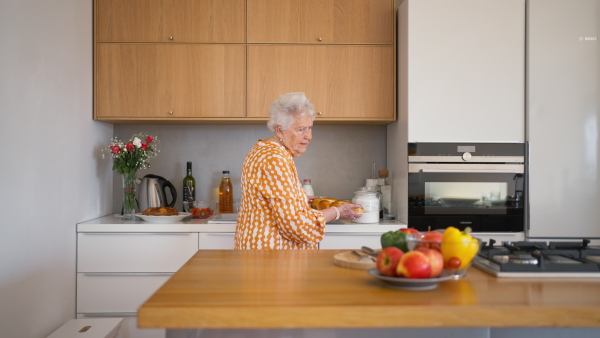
(394,238)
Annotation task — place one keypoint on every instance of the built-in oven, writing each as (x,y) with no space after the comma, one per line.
(476,185)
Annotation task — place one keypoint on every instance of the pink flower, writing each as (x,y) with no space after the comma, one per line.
(149,139)
(129,146)
(115,149)
(144,146)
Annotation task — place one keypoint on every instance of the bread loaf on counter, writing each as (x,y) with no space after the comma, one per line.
(160,211)
(326,202)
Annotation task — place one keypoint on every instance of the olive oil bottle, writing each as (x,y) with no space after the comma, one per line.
(225,194)
(189,189)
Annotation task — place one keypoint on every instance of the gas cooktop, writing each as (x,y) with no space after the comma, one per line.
(539,259)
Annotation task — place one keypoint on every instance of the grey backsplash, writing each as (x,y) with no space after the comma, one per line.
(338,159)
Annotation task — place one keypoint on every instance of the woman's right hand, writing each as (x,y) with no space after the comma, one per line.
(347,211)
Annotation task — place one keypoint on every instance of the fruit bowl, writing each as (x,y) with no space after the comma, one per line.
(410,284)
(458,248)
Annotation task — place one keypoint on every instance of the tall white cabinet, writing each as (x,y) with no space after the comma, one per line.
(461,78)
(461,70)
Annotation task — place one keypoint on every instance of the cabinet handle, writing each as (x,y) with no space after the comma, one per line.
(355,233)
(171,112)
(109,314)
(320,39)
(139,233)
(170,38)
(320,113)
(112,274)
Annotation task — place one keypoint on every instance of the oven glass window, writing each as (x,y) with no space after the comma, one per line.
(485,202)
(465,194)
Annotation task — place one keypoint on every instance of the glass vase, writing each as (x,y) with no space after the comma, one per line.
(129,195)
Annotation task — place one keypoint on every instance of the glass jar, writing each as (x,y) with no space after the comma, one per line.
(308,189)
(369,200)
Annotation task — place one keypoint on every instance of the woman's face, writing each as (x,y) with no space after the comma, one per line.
(297,137)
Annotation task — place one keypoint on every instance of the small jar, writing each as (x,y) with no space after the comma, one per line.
(369,200)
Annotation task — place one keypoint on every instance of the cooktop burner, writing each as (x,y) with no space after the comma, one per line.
(539,259)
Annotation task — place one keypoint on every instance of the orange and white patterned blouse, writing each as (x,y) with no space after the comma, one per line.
(274,213)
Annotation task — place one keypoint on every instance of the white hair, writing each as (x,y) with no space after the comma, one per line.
(288,107)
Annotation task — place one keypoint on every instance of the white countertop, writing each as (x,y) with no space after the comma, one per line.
(114,223)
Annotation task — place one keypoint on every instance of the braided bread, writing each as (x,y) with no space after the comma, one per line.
(324,203)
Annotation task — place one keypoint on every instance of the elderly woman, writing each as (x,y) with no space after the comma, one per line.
(275,212)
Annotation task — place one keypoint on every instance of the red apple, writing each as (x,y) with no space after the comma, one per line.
(414,264)
(435,259)
(388,259)
(432,240)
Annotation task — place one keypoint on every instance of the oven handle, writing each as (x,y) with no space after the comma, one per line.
(472,168)
(469,171)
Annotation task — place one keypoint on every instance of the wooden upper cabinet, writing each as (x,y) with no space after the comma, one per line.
(210,21)
(170,81)
(321,21)
(343,82)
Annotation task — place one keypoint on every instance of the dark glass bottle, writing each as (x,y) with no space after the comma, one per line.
(189,189)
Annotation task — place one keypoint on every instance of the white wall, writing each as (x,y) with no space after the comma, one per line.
(52,177)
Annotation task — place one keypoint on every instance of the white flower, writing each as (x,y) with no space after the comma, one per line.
(137,142)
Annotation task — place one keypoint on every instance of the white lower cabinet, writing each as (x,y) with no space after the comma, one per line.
(105,293)
(134,252)
(351,240)
(216,241)
(117,272)
(120,265)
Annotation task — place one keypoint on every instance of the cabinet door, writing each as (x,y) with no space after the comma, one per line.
(321,21)
(350,241)
(215,21)
(468,76)
(134,252)
(216,241)
(207,80)
(132,20)
(169,81)
(343,82)
(115,293)
(170,21)
(131,80)
(301,21)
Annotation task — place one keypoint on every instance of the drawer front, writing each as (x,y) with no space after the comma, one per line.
(216,241)
(101,294)
(134,252)
(351,241)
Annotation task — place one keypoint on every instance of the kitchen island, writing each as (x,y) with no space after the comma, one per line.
(229,289)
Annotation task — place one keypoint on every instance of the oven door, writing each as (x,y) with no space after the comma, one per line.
(487,197)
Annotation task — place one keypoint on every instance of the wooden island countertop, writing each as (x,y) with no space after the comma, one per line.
(304,289)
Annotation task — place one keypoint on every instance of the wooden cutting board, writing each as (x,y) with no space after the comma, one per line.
(349,260)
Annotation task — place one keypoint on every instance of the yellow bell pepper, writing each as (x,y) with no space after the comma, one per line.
(460,245)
